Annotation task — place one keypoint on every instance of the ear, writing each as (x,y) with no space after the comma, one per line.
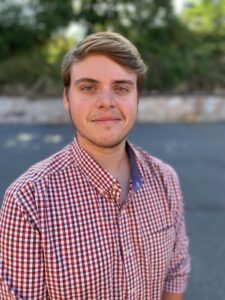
(65,100)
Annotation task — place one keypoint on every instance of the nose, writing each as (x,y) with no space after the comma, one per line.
(106,99)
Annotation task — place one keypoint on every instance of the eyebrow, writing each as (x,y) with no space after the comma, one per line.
(84,79)
(91,80)
(129,82)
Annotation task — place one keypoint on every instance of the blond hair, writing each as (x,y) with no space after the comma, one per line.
(111,44)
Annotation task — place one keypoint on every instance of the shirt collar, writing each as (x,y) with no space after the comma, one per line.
(97,175)
(135,171)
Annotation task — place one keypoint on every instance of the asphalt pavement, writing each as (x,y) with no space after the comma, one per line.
(197,152)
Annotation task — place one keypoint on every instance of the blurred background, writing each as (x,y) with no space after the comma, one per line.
(181,41)
(181,116)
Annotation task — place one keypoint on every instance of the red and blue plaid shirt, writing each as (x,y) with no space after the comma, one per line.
(64,233)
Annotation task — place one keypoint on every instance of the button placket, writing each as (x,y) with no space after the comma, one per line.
(127,252)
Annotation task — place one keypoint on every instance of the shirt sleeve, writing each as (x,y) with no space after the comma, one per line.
(21,258)
(179,266)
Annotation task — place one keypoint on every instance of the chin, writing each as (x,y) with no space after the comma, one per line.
(110,144)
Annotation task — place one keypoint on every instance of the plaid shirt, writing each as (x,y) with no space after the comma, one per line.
(64,233)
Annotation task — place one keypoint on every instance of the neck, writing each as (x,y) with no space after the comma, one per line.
(114,160)
(109,158)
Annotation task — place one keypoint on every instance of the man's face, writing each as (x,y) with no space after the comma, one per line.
(102,101)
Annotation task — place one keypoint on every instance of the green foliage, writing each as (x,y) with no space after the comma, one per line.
(30,23)
(152,26)
(184,53)
(35,71)
(124,15)
(205,18)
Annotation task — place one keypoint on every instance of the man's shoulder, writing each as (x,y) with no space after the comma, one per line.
(158,173)
(153,164)
(43,169)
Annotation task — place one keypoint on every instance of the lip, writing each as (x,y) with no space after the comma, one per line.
(108,119)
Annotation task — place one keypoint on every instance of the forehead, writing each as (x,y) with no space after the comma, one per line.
(101,67)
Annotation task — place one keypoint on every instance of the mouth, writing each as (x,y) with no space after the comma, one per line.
(106,120)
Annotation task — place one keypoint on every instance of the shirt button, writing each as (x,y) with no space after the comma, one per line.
(114,186)
(127,253)
(132,291)
(123,212)
(101,192)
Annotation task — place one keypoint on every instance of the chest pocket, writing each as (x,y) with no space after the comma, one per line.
(158,236)
(158,233)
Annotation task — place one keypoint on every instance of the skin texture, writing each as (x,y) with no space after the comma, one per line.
(102,102)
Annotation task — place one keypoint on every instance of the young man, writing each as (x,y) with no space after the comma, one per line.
(101,219)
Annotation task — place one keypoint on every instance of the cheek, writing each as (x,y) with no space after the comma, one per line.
(132,108)
(79,111)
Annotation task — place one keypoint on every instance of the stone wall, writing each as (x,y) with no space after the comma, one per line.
(189,108)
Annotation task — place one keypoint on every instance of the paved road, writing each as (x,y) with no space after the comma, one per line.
(198,154)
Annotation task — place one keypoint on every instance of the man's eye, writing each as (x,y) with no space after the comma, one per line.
(88,88)
(122,89)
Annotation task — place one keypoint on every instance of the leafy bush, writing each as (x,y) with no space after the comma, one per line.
(183,54)
(36,71)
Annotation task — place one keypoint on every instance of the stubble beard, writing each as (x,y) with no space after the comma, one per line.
(98,144)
